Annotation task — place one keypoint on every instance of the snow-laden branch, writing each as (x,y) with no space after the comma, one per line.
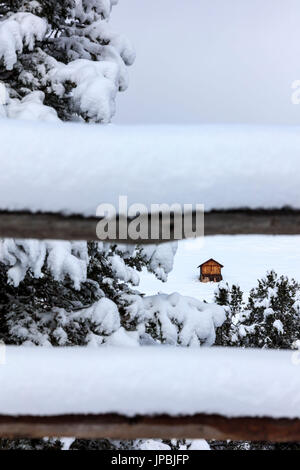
(69,54)
(19,30)
(64,259)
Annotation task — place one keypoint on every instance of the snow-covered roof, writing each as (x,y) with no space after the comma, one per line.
(150,380)
(72,168)
(211,259)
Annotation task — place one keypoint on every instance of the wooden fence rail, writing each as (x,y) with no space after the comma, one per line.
(76,227)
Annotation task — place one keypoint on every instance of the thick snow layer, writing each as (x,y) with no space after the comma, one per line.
(18,30)
(31,108)
(178,319)
(70,259)
(96,86)
(62,259)
(93,70)
(130,381)
(73,168)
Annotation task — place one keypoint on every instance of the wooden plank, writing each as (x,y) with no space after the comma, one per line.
(164,427)
(231,222)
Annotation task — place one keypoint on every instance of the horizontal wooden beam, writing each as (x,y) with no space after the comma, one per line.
(76,227)
(250,222)
(164,427)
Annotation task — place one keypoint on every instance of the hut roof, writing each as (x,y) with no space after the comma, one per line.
(211,259)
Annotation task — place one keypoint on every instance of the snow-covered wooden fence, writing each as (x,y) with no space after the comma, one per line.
(162,392)
(52,178)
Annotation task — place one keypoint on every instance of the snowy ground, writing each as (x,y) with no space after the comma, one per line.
(246,258)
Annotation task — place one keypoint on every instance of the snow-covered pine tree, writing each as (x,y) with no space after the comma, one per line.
(232,300)
(60,60)
(271,319)
(230,297)
(236,299)
(70,293)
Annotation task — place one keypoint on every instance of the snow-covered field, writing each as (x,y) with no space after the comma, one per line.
(246,258)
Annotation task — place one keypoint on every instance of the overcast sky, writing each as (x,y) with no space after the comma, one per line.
(210,61)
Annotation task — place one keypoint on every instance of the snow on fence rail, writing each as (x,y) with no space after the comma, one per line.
(54,176)
(159,392)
